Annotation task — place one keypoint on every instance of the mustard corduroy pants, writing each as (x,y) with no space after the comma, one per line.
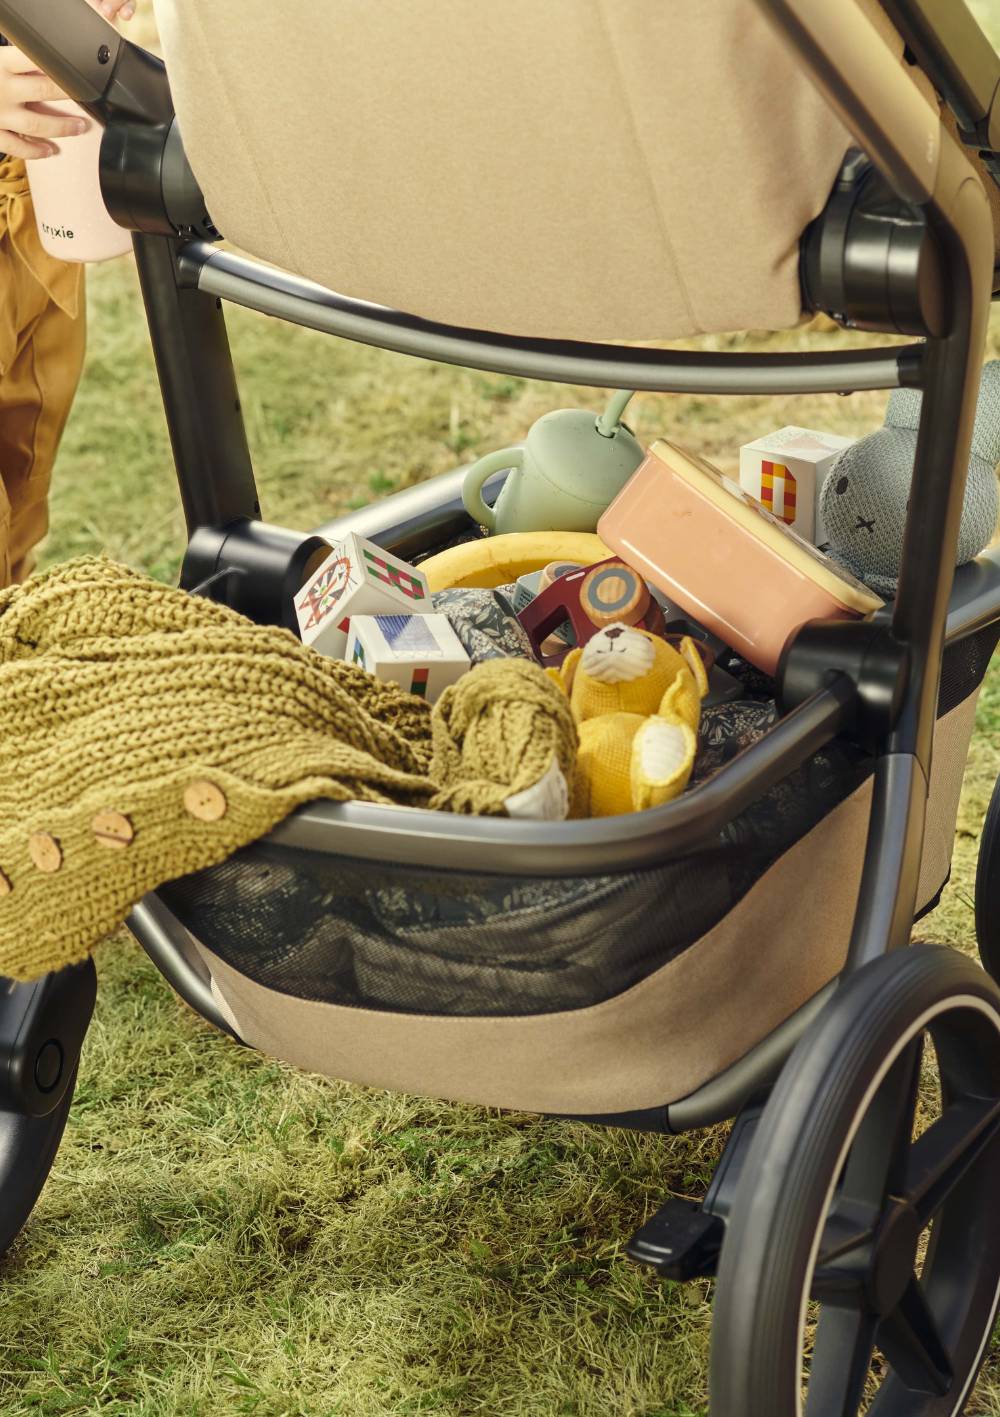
(41,354)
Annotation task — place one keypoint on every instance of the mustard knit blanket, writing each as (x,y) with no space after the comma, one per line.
(146,733)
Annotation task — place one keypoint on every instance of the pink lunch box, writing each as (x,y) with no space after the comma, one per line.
(720,556)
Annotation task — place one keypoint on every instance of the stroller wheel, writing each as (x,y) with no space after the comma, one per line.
(42,1028)
(988,888)
(860,1272)
(28,1147)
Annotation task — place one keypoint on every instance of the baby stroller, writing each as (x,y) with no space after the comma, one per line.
(650,970)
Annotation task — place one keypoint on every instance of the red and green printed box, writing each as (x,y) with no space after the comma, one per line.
(357,578)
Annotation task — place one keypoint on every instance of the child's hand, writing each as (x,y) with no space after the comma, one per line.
(117,9)
(26,129)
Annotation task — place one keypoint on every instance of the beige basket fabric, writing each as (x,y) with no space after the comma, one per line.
(652,1044)
(592,169)
(951,750)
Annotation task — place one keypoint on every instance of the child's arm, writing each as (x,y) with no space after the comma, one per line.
(26,129)
(117,9)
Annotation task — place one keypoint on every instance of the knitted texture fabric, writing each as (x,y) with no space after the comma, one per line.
(866,494)
(146,734)
(497,732)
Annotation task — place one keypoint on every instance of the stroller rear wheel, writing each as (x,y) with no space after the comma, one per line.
(861,1266)
(988,888)
(28,1147)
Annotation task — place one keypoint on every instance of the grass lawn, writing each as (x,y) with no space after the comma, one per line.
(223,1235)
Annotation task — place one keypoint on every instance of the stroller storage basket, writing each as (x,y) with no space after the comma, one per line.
(339,958)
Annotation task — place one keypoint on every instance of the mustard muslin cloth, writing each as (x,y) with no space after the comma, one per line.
(146,733)
(41,354)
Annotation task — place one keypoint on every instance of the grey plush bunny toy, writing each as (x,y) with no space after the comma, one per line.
(866,493)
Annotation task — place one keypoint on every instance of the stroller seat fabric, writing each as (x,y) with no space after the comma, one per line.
(573,170)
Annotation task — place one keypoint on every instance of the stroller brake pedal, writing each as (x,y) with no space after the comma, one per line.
(681,1241)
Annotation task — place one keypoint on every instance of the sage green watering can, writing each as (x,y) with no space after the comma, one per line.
(571,466)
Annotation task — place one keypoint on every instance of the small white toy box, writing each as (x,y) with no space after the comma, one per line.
(357,578)
(420,653)
(785,471)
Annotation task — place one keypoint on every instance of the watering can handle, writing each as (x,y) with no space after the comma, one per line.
(472,487)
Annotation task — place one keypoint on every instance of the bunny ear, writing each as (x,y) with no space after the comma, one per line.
(986,429)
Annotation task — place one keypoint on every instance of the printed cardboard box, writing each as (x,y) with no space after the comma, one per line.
(420,653)
(785,471)
(357,578)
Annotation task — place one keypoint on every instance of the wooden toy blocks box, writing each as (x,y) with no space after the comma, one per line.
(357,578)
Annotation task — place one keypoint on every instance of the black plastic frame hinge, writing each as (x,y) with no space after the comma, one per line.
(876,664)
(42,1028)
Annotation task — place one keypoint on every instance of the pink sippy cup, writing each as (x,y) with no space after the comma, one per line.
(73,222)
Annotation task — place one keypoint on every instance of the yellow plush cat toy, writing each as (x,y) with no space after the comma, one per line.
(637,702)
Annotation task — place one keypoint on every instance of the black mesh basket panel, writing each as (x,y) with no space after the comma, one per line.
(964,666)
(385,936)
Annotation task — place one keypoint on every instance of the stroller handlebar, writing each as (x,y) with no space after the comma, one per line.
(89,59)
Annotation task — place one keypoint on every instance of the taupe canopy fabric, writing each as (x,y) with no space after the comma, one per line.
(594,169)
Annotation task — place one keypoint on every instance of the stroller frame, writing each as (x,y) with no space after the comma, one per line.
(817,1098)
